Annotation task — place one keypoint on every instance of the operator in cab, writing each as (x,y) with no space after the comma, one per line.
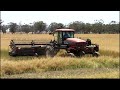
(66,35)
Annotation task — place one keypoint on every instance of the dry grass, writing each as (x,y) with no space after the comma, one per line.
(72,74)
(109,49)
(106,41)
(5,39)
(57,63)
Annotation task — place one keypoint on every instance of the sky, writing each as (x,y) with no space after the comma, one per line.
(65,17)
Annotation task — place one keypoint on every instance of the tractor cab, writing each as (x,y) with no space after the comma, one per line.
(60,35)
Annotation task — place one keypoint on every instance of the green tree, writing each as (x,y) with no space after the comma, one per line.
(113,27)
(3,28)
(13,27)
(97,27)
(40,26)
(78,26)
(25,28)
(88,28)
(55,25)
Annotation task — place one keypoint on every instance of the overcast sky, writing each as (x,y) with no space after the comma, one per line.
(64,17)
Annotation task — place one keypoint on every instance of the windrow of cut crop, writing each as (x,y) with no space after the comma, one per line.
(57,63)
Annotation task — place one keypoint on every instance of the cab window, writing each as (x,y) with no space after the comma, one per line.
(71,34)
(58,37)
(68,34)
(55,36)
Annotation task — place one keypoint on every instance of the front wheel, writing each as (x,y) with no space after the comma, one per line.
(79,54)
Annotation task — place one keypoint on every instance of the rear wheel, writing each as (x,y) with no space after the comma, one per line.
(96,54)
(82,53)
(49,52)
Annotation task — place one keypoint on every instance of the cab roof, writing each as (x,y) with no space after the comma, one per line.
(57,30)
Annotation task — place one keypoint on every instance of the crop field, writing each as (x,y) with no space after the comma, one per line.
(62,66)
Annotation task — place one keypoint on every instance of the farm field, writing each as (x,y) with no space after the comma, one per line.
(61,66)
(72,74)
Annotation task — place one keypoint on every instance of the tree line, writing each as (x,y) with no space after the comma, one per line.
(78,26)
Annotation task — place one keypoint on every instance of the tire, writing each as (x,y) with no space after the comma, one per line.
(49,52)
(36,54)
(96,54)
(10,53)
(13,55)
(79,54)
(82,53)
